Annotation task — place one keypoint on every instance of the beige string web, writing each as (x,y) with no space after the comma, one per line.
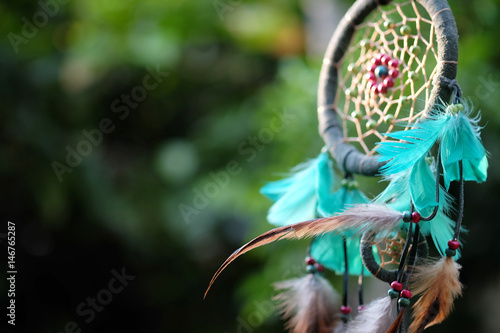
(390,250)
(405,33)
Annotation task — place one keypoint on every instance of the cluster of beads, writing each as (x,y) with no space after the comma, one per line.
(313,266)
(411,217)
(453,245)
(350,184)
(381,73)
(455,108)
(345,310)
(404,300)
(398,291)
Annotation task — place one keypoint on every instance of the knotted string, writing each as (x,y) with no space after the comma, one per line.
(452,84)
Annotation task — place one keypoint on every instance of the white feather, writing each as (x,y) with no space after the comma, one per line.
(377,317)
(377,215)
(374,217)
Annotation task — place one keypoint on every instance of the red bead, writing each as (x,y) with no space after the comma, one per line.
(453,244)
(345,309)
(381,88)
(397,286)
(415,217)
(374,89)
(393,73)
(385,59)
(372,67)
(320,267)
(376,61)
(370,76)
(371,83)
(388,82)
(379,56)
(405,293)
(310,261)
(361,308)
(393,63)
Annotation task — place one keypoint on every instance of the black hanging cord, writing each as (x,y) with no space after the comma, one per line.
(360,288)
(460,215)
(413,254)
(348,176)
(402,260)
(346,275)
(405,252)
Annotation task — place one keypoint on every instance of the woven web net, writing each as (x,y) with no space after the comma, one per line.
(379,96)
(390,250)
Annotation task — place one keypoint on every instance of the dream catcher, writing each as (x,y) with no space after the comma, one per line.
(389,106)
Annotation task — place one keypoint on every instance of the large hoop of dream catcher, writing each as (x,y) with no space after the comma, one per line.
(358,94)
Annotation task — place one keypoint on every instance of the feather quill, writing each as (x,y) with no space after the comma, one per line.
(377,317)
(308,304)
(396,325)
(439,285)
(378,218)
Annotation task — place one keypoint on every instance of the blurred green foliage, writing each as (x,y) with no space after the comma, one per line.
(173,188)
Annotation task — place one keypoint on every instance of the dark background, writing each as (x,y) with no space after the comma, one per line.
(233,66)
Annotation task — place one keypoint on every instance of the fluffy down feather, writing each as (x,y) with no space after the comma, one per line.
(308,304)
(377,317)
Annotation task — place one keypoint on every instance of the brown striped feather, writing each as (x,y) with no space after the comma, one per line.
(358,219)
(438,283)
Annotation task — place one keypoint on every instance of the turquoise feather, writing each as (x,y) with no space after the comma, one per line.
(275,190)
(307,194)
(418,140)
(441,229)
(296,197)
(325,183)
(338,201)
(398,196)
(328,249)
(418,185)
(423,187)
(461,141)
